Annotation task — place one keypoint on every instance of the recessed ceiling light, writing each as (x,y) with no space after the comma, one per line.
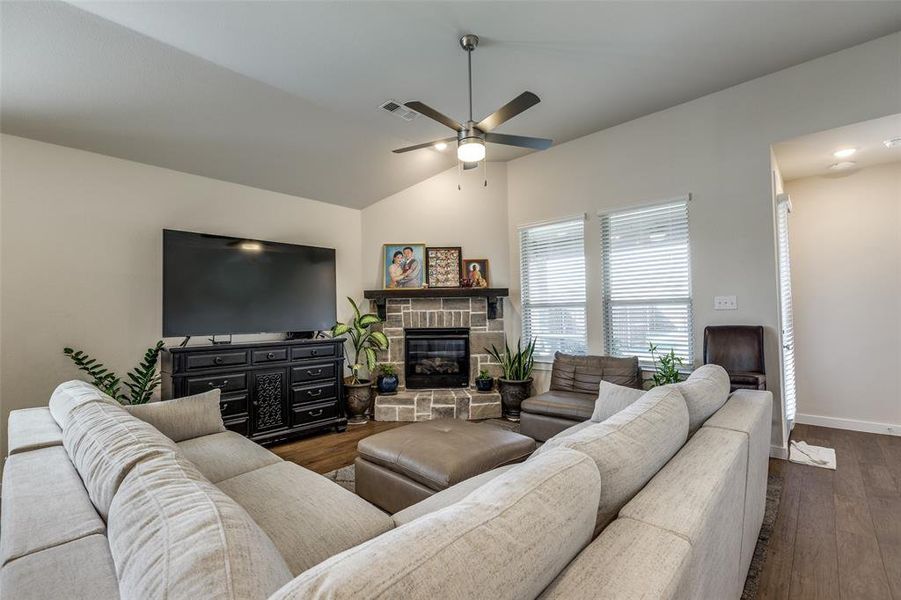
(893,142)
(843,165)
(440,146)
(250,246)
(844,152)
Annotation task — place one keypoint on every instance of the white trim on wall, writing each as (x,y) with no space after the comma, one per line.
(850,424)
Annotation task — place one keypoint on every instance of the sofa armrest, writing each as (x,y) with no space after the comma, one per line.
(183,418)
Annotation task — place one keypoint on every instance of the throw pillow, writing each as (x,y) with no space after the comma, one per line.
(613,398)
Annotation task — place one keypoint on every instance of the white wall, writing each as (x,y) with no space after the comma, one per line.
(436,213)
(718,149)
(81,254)
(845,240)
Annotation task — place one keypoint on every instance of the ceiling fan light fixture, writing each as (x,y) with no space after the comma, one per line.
(471,150)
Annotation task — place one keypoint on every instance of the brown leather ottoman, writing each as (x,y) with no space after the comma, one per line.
(399,467)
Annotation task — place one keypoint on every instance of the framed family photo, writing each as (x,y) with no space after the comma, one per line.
(404,266)
(475,272)
(444,266)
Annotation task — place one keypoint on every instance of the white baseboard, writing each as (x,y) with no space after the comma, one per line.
(851,424)
(779,452)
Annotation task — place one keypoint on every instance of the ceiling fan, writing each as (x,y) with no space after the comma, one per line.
(471,136)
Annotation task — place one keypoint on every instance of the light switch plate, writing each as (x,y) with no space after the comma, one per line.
(725,303)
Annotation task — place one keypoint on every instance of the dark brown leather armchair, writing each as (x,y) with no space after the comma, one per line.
(739,350)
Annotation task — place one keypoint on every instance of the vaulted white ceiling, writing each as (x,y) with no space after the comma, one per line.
(284,95)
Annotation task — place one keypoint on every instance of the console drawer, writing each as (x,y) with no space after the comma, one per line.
(268,356)
(234,405)
(301,415)
(312,372)
(233,382)
(238,426)
(208,360)
(312,351)
(314,393)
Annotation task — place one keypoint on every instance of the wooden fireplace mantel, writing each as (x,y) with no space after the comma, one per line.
(492,295)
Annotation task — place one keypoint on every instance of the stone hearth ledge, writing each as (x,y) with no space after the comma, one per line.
(425,405)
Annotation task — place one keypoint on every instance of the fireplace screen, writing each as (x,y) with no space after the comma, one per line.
(436,358)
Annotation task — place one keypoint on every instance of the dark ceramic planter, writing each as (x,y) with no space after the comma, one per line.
(357,397)
(387,384)
(512,394)
(484,385)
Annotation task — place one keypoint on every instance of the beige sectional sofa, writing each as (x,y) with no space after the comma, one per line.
(662,500)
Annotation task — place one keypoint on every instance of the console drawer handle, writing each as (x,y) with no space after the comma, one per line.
(223,407)
(317,393)
(311,373)
(314,352)
(218,360)
(315,413)
(220,386)
(270,355)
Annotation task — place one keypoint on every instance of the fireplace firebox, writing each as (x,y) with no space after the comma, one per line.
(436,358)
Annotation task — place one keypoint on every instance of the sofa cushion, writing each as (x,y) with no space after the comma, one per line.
(79,569)
(72,394)
(629,559)
(104,442)
(749,412)
(577,373)
(224,455)
(175,535)
(705,391)
(32,428)
(613,398)
(699,495)
(506,540)
(44,504)
(445,498)
(183,418)
(630,447)
(308,517)
(568,405)
(571,430)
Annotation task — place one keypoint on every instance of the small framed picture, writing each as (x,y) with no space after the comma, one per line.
(475,272)
(403,265)
(444,266)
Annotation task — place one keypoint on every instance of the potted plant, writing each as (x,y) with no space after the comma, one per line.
(666,367)
(484,382)
(516,384)
(364,343)
(387,379)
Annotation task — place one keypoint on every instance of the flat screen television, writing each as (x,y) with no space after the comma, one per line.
(217,285)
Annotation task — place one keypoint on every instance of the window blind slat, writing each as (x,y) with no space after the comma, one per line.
(647,281)
(552,268)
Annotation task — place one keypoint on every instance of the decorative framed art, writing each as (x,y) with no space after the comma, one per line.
(403,266)
(475,272)
(444,266)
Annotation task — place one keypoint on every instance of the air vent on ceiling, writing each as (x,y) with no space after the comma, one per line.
(396,108)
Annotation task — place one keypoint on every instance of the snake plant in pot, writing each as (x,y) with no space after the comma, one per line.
(364,344)
(516,384)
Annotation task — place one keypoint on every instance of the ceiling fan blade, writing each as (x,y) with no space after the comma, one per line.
(467,166)
(425,109)
(425,145)
(522,102)
(519,140)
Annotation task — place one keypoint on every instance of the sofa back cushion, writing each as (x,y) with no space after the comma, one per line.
(507,539)
(183,418)
(629,447)
(104,443)
(583,374)
(173,534)
(705,391)
(72,394)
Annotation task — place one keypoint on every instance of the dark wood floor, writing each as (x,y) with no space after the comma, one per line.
(838,533)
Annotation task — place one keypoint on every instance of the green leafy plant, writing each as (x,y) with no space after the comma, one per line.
(141,380)
(387,369)
(483,374)
(517,365)
(364,341)
(666,367)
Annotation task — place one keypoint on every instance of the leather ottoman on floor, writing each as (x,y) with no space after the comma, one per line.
(400,467)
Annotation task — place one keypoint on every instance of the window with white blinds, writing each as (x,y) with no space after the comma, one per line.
(783,208)
(647,281)
(552,269)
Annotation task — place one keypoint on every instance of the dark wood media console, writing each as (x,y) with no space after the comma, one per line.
(271,391)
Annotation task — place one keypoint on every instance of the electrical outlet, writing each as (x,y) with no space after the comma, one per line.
(725,303)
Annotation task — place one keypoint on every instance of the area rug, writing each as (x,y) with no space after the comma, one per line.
(345,478)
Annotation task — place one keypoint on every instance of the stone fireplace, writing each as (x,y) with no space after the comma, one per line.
(431,339)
